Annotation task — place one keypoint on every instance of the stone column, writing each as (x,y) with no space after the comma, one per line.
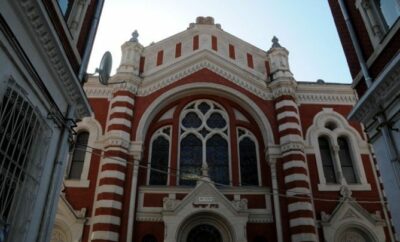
(106,224)
(302,225)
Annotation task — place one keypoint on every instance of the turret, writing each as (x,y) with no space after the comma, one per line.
(279,61)
(131,52)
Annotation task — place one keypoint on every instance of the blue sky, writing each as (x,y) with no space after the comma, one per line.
(304,27)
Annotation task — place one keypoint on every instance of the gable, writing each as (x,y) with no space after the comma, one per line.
(203,35)
(205,59)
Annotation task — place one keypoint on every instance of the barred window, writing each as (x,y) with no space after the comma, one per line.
(23,143)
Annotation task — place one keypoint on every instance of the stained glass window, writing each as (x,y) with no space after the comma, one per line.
(216,121)
(159,161)
(204,130)
(248,162)
(204,107)
(191,120)
(191,159)
(218,159)
(327,161)
(345,161)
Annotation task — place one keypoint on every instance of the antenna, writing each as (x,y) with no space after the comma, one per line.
(104,69)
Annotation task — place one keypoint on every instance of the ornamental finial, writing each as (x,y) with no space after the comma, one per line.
(275,42)
(135,36)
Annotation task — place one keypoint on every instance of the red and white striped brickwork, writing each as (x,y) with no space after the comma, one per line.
(297,182)
(108,205)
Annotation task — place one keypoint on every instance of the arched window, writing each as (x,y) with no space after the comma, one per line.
(338,147)
(326,158)
(204,142)
(346,162)
(159,157)
(149,238)
(248,159)
(78,156)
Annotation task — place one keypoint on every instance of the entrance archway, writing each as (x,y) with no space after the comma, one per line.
(204,233)
(205,227)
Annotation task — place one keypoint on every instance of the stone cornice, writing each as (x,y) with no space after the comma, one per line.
(380,94)
(304,93)
(35,16)
(314,93)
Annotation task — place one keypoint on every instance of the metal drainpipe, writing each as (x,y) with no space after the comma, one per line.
(355,43)
(92,34)
(394,157)
(56,179)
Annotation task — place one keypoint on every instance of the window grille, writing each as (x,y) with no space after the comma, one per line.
(23,145)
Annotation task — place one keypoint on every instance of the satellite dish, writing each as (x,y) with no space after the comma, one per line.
(104,69)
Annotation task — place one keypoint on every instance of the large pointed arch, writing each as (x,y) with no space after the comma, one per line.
(210,88)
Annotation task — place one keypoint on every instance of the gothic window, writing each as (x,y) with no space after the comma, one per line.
(345,161)
(149,238)
(159,160)
(338,148)
(23,145)
(327,161)
(248,159)
(78,156)
(204,143)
